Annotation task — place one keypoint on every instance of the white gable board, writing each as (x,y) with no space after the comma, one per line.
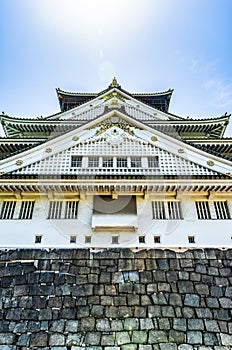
(115,134)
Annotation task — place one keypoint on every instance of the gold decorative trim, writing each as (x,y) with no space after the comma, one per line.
(19,162)
(48,150)
(75,138)
(154,138)
(210,163)
(181,150)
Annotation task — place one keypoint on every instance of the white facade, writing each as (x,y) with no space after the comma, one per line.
(116,179)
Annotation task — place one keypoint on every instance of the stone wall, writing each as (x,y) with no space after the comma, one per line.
(116,299)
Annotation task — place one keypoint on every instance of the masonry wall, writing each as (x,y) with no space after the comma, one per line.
(75,299)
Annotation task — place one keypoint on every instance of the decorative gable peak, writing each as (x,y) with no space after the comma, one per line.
(114,83)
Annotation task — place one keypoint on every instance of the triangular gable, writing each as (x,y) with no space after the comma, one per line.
(102,135)
(116,99)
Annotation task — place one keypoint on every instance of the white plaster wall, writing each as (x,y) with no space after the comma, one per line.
(175,233)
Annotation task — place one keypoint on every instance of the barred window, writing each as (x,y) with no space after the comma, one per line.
(93,162)
(203,212)
(174,211)
(166,210)
(136,162)
(71,208)
(158,210)
(76,161)
(63,210)
(26,210)
(221,210)
(153,162)
(121,162)
(107,162)
(8,209)
(55,210)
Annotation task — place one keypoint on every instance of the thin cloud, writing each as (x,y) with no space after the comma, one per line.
(198,66)
(221,92)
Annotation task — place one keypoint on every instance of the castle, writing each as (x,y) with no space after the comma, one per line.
(115,169)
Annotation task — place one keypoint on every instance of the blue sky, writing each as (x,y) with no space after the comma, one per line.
(149,45)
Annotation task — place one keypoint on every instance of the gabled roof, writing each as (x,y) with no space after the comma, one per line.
(137,131)
(158,100)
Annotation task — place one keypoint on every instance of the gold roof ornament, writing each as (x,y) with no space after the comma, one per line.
(114,83)
(114,101)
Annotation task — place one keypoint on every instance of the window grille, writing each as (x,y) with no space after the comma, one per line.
(26,210)
(158,210)
(8,209)
(55,210)
(153,162)
(107,162)
(71,209)
(166,210)
(93,162)
(76,161)
(203,212)
(63,210)
(121,162)
(221,210)
(136,162)
(174,210)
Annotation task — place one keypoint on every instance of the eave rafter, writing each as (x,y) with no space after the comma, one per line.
(146,188)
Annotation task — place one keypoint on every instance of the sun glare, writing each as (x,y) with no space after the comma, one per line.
(92,18)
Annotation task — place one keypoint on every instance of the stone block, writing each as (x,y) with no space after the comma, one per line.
(226,339)
(116,325)
(7,338)
(131,324)
(97,311)
(87,324)
(210,339)
(93,338)
(139,337)
(195,324)
(39,339)
(226,303)
(107,339)
(167,311)
(159,299)
(164,324)
(56,339)
(204,313)
(23,340)
(194,337)
(71,326)
(156,337)
(103,325)
(74,339)
(176,337)
(192,300)
(169,346)
(146,323)
(185,347)
(180,324)
(185,287)
(211,326)
(122,338)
